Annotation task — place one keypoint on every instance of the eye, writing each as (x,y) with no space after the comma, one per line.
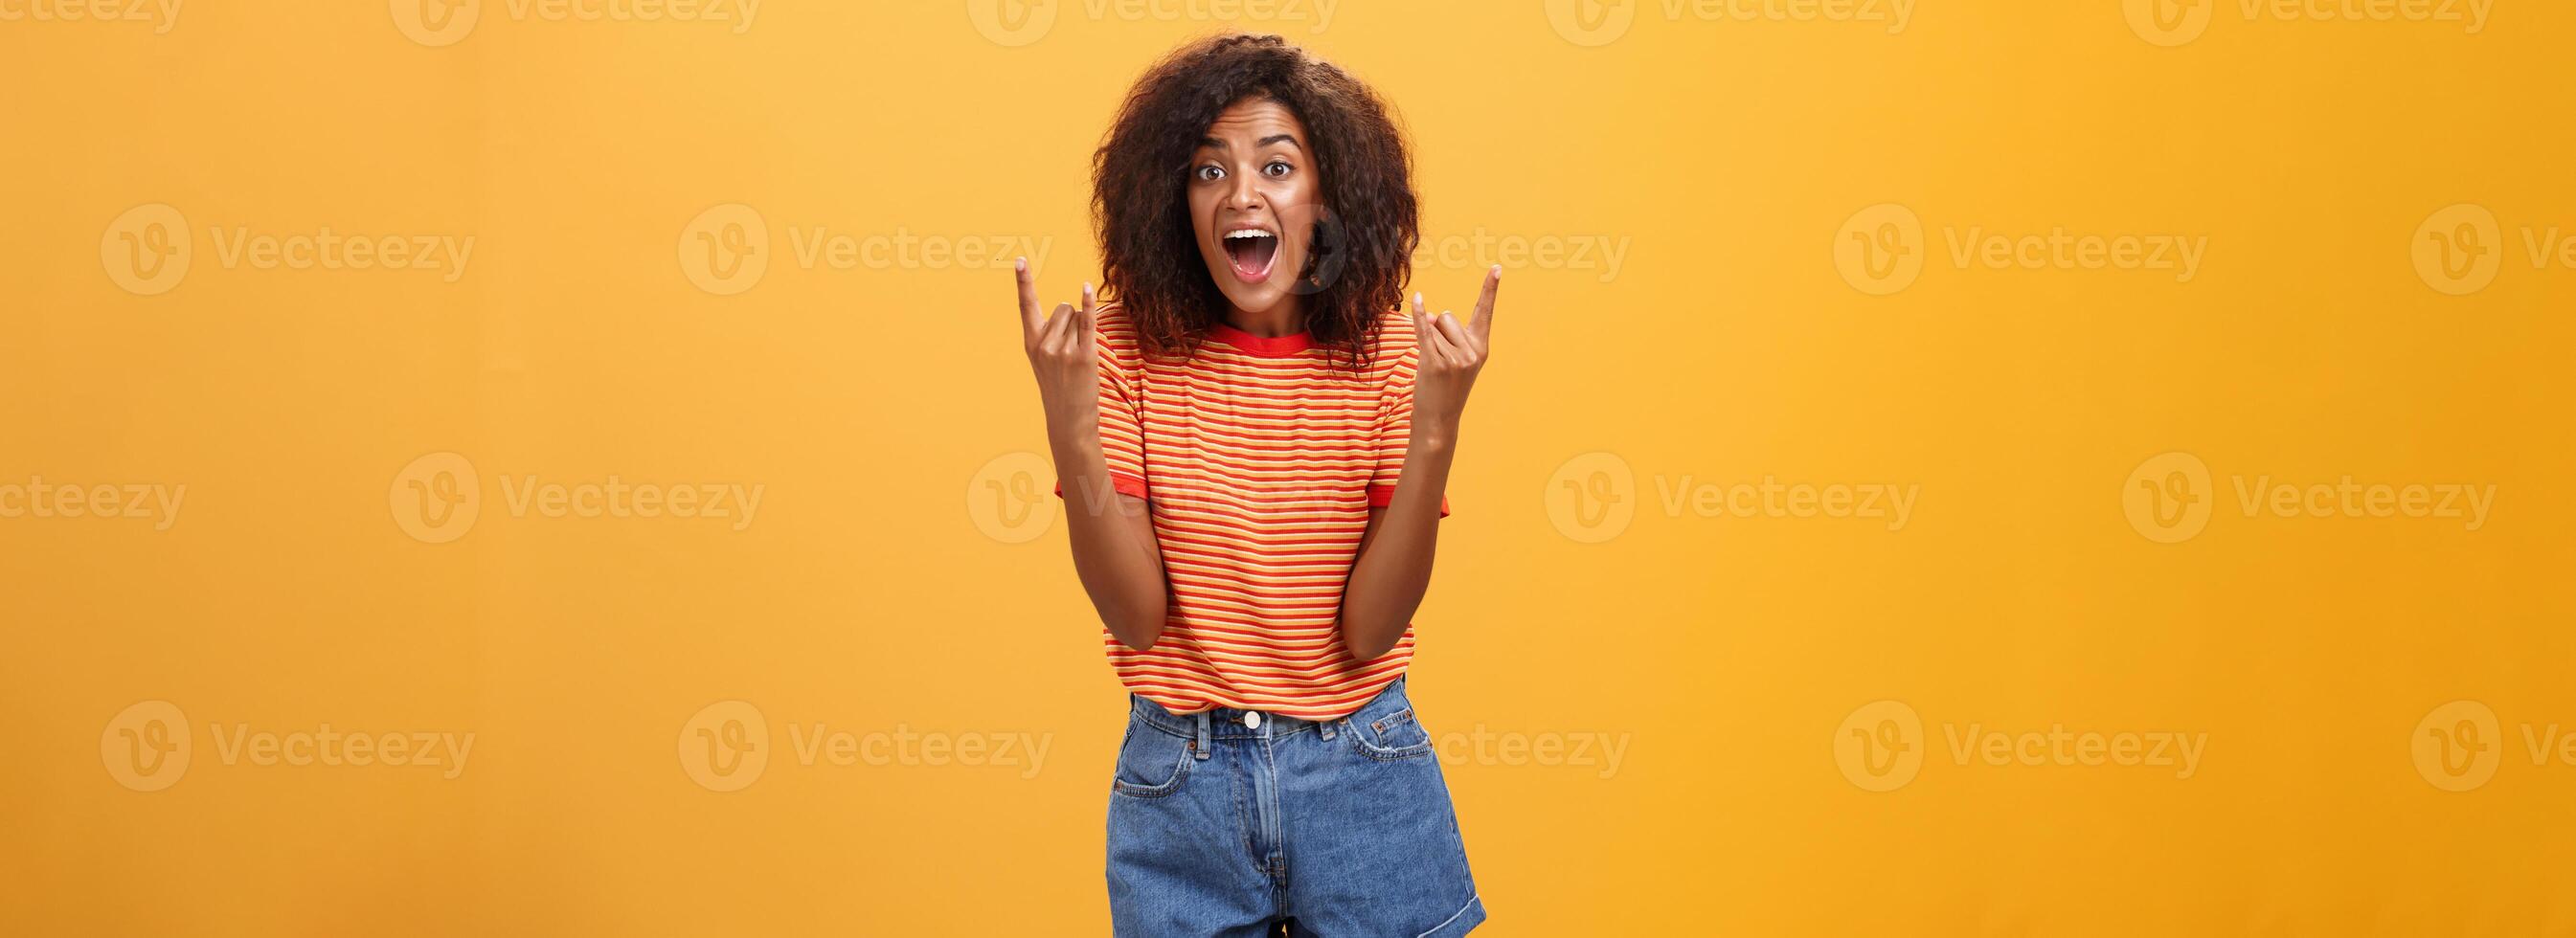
(1208,173)
(1275,168)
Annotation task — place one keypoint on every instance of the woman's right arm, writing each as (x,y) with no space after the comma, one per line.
(1114,551)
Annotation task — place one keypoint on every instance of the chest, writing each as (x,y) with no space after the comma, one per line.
(1265,416)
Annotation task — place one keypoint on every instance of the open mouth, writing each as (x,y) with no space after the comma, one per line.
(1251,251)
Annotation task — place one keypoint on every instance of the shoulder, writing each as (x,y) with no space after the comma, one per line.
(1396,345)
(1111,316)
(1392,358)
(1395,329)
(1110,319)
(1119,341)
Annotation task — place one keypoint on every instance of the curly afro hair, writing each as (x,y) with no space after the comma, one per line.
(1362,241)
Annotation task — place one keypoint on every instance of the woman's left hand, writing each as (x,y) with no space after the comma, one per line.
(1450,355)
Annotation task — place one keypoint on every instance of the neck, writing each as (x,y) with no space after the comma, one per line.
(1285,318)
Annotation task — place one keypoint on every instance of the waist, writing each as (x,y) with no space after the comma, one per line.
(1235,723)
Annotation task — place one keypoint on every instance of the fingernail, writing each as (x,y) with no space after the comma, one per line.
(1024,265)
(1498,271)
(1417,299)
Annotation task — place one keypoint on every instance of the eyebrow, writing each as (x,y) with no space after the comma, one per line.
(1289,139)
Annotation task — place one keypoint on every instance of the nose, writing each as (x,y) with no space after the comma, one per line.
(1244,196)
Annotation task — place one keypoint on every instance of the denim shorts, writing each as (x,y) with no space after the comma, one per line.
(1235,822)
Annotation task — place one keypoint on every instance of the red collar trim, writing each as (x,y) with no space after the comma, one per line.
(1286,346)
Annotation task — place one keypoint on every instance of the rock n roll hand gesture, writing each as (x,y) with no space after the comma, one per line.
(1064,352)
(1450,356)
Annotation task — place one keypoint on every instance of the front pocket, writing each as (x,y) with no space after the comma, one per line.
(1152,763)
(1391,736)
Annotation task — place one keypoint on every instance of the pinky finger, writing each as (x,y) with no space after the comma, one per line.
(1434,345)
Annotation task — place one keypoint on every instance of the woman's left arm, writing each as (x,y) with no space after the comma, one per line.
(1394,566)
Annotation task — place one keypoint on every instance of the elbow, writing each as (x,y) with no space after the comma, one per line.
(1366,644)
(1140,628)
(1137,638)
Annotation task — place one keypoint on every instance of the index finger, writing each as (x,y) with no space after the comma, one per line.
(1029,318)
(1483,323)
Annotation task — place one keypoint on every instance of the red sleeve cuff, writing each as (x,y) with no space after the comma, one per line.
(1381,496)
(1124,484)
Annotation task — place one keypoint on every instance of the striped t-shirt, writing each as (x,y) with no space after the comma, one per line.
(1261,458)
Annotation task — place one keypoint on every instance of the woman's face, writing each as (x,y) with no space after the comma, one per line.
(1252,193)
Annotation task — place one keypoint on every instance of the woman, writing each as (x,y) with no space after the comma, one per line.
(1252,438)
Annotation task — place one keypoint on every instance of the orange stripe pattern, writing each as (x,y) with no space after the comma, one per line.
(1261,460)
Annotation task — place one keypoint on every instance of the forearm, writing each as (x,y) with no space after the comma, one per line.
(1393,570)
(1114,552)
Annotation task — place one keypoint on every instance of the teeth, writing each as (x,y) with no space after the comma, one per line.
(1248,233)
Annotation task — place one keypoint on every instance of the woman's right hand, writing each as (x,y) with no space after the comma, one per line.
(1115,552)
(1064,352)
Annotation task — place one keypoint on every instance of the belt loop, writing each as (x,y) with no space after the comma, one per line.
(1326,728)
(1206,733)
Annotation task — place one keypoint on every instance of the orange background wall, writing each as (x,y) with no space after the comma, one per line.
(1747,243)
